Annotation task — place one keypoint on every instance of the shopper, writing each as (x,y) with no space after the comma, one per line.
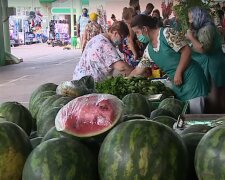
(156,14)
(92,29)
(171,53)
(100,57)
(207,51)
(131,48)
(82,22)
(148,10)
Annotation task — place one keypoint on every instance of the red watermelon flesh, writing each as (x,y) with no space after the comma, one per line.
(89,115)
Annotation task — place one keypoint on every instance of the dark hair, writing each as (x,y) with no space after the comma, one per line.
(113,16)
(144,20)
(128,13)
(120,27)
(135,4)
(156,11)
(220,13)
(85,9)
(150,6)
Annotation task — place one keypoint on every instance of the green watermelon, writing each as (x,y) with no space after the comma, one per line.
(197,128)
(173,105)
(15,147)
(161,112)
(18,114)
(60,158)
(210,155)
(136,103)
(40,89)
(169,121)
(142,149)
(47,121)
(132,117)
(35,142)
(38,101)
(191,141)
(52,133)
(89,115)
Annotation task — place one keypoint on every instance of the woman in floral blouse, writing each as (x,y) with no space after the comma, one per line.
(171,53)
(100,57)
(92,29)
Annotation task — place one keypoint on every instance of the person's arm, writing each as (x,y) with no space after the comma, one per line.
(84,40)
(204,40)
(138,71)
(122,67)
(78,27)
(197,46)
(185,59)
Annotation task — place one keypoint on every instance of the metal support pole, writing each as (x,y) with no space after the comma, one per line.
(2,46)
(6,25)
(72,19)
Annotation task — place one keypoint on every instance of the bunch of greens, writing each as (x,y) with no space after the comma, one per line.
(120,86)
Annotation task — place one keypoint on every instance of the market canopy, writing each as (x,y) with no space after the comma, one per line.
(47,1)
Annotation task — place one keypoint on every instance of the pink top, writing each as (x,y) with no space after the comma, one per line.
(96,60)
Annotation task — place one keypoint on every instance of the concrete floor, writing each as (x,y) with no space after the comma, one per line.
(41,64)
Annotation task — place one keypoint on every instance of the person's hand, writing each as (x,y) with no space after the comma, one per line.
(189,34)
(177,79)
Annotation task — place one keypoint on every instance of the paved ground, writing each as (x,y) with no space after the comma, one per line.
(41,64)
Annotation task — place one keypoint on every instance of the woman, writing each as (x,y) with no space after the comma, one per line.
(131,48)
(156,14)
(207,51)
(100,56)
(92,29)
(172,55)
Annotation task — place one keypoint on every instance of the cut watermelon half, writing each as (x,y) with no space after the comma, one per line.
(89,115)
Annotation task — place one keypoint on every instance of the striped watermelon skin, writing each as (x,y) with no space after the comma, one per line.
(210,155)
(15,147)
(18,114)
(58,159)
(142,149)
(136,103)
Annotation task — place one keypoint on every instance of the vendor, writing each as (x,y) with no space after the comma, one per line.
(100,56)
(171,53)
(207,51)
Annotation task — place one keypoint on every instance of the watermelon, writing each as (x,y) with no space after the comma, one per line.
(76,88)
(15,147)
(169,121)
(142,149)
(18,114)
(47,113)
(136,103)
(161,112)
(89,115)
(60,158)
(191,141)
(38,101)
(35,142)
(47,121)
(132,117)
(197,128)
(173,105)
(210,155)
(40,89)
(52,133)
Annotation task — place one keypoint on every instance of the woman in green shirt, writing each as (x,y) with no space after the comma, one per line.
(207,51)
(171,53)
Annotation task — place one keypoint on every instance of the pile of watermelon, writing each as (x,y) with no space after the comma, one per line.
(72,132)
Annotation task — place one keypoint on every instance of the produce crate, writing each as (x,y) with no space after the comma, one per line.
(186,120)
